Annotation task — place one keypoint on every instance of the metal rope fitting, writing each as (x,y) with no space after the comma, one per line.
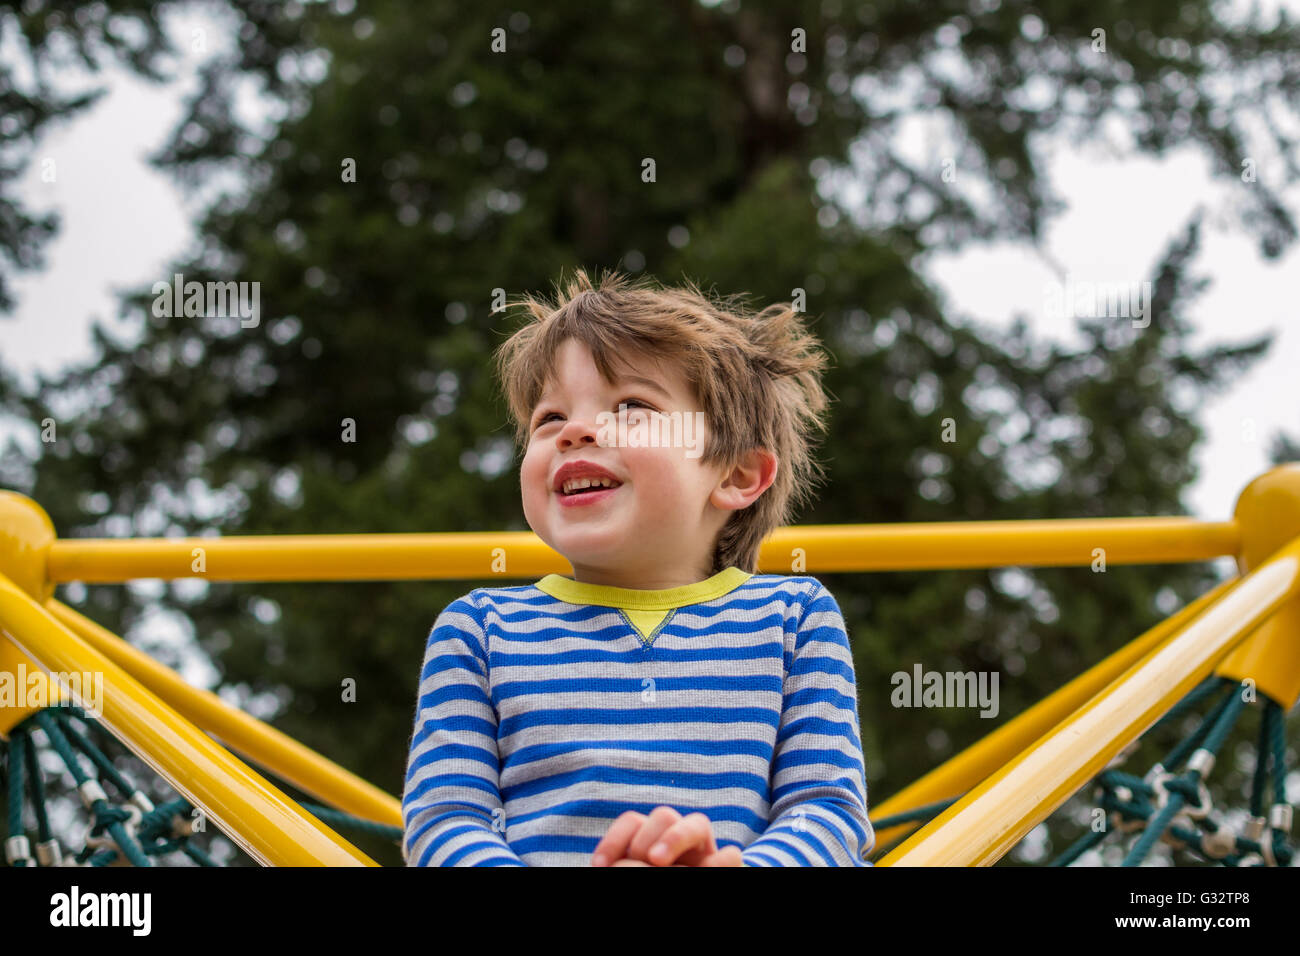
(49,854)
(1218,844)
(90,792)
(1202,761)
(1279,817)
(1254,829)
(18,852)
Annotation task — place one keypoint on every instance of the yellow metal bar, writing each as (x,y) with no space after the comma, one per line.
(979,828)
(264,745)
(326,557)
(1066,542)
(1268,513)
(521,554)
(24,675)
(1270,657)
(265,822)
(26,533)
(963,771)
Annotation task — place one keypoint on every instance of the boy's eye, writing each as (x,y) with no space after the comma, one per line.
(629,402)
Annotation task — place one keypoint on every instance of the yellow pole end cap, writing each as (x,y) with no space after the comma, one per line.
(26,534)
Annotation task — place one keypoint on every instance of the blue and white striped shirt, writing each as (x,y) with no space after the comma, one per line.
(547,710)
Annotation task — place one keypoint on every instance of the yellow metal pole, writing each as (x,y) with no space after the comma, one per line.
(1066,542)
(979,828)
(958,774)
(265,822)
(276,752)
(33,688)
(521,554)
(26,534)
(1268,513)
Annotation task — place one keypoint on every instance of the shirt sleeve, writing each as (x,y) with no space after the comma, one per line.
(818,815)
(451,801)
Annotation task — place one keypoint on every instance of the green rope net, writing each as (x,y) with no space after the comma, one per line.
(128,831)
(1172,803)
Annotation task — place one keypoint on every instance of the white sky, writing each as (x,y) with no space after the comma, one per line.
(1120,218)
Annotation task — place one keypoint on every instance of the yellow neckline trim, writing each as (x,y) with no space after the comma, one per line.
(581,592)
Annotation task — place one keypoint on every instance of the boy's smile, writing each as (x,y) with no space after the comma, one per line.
(580,482)
(657,527)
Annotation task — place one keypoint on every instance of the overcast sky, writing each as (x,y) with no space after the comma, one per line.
(123,223)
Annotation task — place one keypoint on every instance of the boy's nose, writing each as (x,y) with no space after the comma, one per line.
(577,431)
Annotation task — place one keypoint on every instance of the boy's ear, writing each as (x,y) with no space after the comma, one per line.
(746,480)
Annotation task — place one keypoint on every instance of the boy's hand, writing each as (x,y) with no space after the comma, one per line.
(665,838)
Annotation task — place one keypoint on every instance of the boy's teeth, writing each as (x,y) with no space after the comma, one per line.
(577,484)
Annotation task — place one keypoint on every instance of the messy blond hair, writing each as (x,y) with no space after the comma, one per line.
(756,376)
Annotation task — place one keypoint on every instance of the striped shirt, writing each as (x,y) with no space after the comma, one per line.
(547,710)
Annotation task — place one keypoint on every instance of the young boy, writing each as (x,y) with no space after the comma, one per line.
(665,705)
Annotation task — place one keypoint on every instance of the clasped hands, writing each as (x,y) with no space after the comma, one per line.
(664,838)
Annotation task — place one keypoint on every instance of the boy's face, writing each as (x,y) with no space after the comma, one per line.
(657,528)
